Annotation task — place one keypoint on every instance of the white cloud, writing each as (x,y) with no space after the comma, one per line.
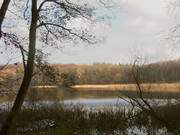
(135,31)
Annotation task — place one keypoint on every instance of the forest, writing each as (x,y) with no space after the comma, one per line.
(104,73)
(99,73)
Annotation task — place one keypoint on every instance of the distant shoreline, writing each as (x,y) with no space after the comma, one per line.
(153,87)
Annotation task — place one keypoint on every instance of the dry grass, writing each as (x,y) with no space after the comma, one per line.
(45,87)
(74,120)
(154,87)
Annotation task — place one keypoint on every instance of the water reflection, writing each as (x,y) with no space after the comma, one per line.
(97,102)
(88,97)
(69,94)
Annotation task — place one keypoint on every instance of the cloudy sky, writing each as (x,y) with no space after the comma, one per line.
(135,28)
(138,28)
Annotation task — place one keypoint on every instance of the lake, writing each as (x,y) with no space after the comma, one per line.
(87,98)
(92,99)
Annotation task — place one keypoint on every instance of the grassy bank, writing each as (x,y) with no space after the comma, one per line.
(153,87)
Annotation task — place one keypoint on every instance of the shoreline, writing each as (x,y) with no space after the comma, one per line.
(153,87)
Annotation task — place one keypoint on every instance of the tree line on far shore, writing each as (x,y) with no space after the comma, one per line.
(99,73)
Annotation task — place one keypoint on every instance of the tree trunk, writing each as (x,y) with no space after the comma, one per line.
(27,73)
(3,11)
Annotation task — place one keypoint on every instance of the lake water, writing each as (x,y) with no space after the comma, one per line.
(87,98)
(90,100)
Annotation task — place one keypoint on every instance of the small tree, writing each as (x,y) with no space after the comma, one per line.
(67,79)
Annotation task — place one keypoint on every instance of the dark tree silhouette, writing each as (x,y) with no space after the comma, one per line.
(3,11)
(50,19)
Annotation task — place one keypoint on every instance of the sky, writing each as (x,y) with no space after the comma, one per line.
(135,28)
(139,28)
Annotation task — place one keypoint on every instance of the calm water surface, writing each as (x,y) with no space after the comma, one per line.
(85,98)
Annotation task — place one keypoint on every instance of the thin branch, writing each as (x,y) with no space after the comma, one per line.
(26,8)
(42,4)
(4,66)
(79,10)
(66,29)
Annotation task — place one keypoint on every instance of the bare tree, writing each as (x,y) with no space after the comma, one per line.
(27,73)
(48,18)
(144,104)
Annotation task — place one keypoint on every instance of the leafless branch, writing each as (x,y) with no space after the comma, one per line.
(12,39)
(64,28)
(4,66)
(26,8)
(68,7)
(141,102)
